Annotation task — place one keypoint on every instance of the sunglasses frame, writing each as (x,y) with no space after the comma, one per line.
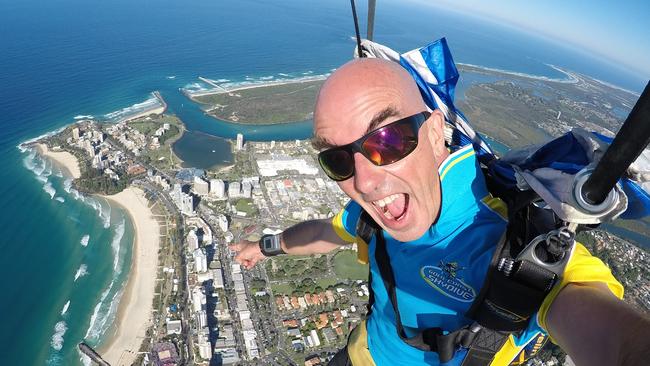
(415,121)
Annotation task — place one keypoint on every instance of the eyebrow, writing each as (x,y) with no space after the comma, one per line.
(320,143)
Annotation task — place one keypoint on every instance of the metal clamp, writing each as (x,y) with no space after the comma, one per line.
(562,238)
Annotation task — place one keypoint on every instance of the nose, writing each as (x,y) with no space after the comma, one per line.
(367,176)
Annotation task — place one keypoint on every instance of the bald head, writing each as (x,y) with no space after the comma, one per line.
(403,196)
(373,89)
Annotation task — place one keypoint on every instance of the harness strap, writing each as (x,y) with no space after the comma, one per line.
(482,343)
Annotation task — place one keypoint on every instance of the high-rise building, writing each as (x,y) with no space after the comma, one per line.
(192,241)
(75,133)
(240,141)
(246,189)
(217,188)
(201,187)
(205,349)
(198,299)
(233,189)
(200,260)
(201,319)
(187,204)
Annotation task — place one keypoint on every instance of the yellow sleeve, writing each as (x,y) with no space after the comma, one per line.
(342,232)
(582,267)
(339,228)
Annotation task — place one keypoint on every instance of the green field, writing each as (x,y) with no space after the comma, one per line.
(346,266)
(268,104)
(282,288)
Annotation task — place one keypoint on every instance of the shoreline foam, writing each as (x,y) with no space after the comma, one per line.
(134,315)
(64,159)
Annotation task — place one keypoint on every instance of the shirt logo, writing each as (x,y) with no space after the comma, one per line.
(444,280)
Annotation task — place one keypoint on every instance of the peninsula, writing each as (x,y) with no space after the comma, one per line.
(261,103)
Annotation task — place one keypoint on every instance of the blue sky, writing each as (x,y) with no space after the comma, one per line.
(618,31)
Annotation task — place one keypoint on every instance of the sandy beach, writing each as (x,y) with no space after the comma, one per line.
(64,159)
(135,308)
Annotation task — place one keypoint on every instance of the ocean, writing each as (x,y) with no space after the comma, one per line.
(65,257)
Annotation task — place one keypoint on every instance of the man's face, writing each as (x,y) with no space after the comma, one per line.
(403,197)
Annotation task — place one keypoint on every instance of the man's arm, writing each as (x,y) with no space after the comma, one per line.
(596,328)
(309,237)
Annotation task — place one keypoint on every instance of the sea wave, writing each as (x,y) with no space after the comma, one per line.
(150,103)
(170,77)
(67,185)
(115,244)
(103,211)
(65,308)
(82,116)
(60,199)
(103,314)
(57,338)
(47,187)
(84,240)
(81,271)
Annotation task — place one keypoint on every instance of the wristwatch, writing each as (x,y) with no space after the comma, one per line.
(270,245)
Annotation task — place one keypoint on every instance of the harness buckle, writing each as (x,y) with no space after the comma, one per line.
(551,250)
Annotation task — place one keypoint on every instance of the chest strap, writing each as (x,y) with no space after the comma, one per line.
(504,305)
(482,343)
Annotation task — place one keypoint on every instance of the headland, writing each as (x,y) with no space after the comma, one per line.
(273,102)
(62,158)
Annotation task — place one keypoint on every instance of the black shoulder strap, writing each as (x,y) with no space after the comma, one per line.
(482,344)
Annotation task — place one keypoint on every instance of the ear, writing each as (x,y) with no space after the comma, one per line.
(435,128)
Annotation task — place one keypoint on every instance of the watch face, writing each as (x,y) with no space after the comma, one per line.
(268,243)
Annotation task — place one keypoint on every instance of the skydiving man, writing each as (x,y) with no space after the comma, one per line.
(441,228)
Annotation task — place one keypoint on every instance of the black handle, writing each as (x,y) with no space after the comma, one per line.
(628,144)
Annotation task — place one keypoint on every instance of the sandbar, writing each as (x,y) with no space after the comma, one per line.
(64,159)
(134,315)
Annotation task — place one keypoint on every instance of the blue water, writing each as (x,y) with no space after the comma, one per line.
(63,58)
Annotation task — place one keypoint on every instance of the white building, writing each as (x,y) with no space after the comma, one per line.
(200,260)
(187,204)
(201,319)
(174,327)
(240,141)
(234,189)
(217,188)
(205,349)
(198,299)
(223,222)
(314,338)
(201,187)
(217,277)
(192,241)
(247,188)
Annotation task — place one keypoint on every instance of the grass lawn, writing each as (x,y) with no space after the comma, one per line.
(346,266)
(282,288)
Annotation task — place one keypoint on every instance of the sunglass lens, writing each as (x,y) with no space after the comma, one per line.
(338,164)
(390,144)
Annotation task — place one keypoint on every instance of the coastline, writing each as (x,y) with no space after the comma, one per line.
(63,159)
(219,89)
(134,314)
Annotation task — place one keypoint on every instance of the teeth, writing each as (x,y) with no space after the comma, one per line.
(386,200)
(388,215)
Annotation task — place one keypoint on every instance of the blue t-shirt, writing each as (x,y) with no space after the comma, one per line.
(439,275)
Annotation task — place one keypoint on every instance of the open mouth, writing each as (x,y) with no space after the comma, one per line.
(392,207)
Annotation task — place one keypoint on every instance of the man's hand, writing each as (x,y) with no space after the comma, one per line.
(248,253)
